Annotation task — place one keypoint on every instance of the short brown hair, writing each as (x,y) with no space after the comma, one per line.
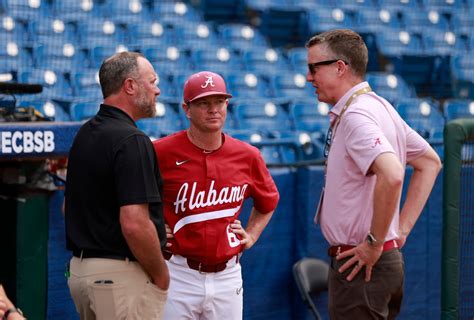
(115,69)
(347,45)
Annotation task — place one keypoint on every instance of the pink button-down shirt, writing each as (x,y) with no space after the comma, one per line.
(369,127)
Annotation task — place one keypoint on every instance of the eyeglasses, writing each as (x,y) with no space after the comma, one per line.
(312,66)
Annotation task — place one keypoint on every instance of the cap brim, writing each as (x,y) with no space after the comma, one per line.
(211,93)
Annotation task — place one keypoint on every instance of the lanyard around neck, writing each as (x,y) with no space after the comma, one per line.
(332,130)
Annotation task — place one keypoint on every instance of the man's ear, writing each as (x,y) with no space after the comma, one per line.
(185,107)
(129,86)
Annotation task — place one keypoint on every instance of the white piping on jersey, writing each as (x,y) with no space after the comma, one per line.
(205,217)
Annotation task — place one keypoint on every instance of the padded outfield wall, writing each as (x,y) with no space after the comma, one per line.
(458,217)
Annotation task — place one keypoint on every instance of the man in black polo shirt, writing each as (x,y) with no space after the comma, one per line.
(113,206)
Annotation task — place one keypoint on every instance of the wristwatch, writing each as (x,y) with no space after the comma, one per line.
(371,240)
(10,311)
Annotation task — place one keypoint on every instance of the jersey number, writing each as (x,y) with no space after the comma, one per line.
(233,241)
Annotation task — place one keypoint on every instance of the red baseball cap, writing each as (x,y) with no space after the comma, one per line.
(203,84)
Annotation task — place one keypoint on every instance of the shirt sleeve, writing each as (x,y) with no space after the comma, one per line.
(136,172)
(364,139)
(264,191)
(416,145)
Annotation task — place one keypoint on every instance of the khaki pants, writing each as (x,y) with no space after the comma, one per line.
(381,298)
(106,289)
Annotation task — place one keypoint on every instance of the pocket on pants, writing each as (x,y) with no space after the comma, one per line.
(108,300)
(150,303)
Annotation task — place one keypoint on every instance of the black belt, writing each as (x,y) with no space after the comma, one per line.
(84,254)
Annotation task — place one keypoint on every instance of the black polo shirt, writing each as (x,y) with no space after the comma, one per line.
(111,164)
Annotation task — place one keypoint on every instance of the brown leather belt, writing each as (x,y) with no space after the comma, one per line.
(334,251)
(198,266)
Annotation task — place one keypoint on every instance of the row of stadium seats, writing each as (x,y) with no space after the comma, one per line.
(269,115)
(63,52)
(84,84)
(136,32)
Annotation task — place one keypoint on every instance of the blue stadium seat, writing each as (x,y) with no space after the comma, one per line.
(424,116)
(310,115)
(126,11)
(329,18)
(196,35)
(263,5)
(55,85)
(97,54)
(420,21)
(248,85)
(390,86)
(271,154)
(99,32)
(399,5)
(298,59)
(26,10)
(13,56)
(148,34)
(373,20)
(302,145)
(395,42)
(458,108)
(62,57)
(167,60)
(167,121)
(220,60)
(355,6)
(76,10)
(261,115)
(13,30)
(166,85)
(265,62)
(242,37)
(444,43)
(250,136)
(463,22)
(51,32)
(291,85)
(83,111)
(445,6)
(462,68)
(51,110)
(175,13)
(86,85)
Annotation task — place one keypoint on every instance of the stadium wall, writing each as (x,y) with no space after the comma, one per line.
(269,289)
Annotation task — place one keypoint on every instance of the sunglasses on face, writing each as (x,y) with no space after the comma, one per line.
(312,66)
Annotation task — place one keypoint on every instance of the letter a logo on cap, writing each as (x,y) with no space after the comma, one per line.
(208,82)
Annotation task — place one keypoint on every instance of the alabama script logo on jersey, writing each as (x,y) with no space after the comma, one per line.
(189,199)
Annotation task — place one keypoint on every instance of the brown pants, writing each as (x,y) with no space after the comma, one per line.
(114,289)
(381,298)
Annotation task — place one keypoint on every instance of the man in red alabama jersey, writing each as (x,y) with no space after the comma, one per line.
(207,175)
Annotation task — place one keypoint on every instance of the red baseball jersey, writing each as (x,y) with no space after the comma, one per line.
(203,193)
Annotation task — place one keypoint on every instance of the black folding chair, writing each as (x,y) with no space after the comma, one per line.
(311,276)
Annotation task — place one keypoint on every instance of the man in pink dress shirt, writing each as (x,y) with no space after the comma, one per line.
(367,150)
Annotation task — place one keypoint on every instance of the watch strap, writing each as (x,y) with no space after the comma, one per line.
(10,311)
